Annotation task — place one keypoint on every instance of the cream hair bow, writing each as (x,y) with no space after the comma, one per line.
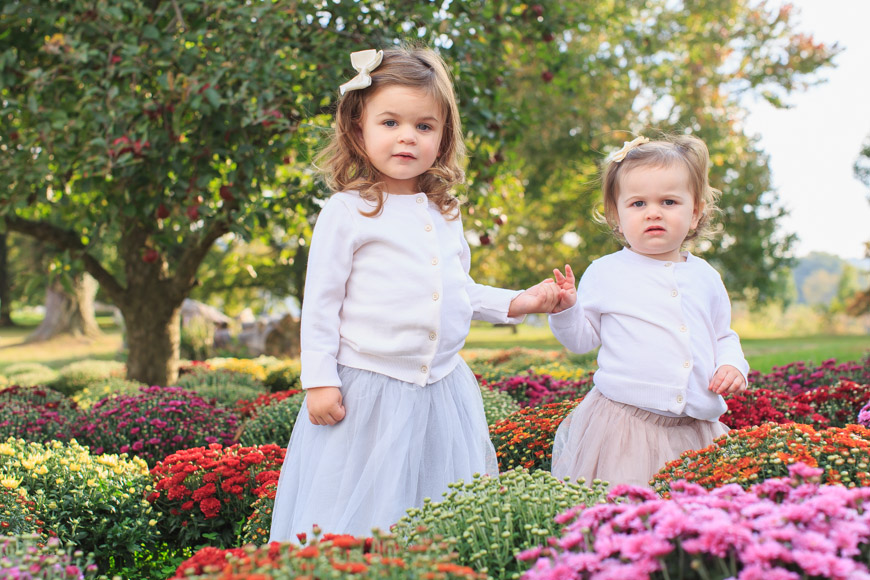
(364,62)
(627,146)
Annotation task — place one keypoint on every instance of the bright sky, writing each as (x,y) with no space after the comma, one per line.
(813,145)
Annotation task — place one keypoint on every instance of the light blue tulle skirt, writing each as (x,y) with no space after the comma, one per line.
(398,444)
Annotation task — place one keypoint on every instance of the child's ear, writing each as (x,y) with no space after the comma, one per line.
(696,215)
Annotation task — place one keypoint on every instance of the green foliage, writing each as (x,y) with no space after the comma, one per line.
(284,378)
(490,519)
(86,374)
(158,562)
(95,502)
(225,386)
(272,423)
(197,339)
(21,368)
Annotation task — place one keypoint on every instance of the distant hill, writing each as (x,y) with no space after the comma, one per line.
(818,274)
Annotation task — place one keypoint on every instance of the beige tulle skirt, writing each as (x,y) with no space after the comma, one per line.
(619,443)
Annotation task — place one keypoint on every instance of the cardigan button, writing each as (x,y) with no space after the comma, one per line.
(419,200)
(686,364)
(684,328)
(424,369)
(674,293)
(435,296)
(679,398)
(668,264)
(434,261)
(428,228)
(432,336)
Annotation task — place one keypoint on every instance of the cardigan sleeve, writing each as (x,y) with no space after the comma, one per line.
(329,265)
(728,349)
(488,303)
(579,328)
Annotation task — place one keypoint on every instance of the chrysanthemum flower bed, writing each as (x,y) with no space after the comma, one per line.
(36,414)
(754,454)
(839,403)
(489,520)
(525,438)
(246,408)
(797,377)
(534,390)
(155,423)
(17,513)
(780,529)
(96,502)
(272,424)
(27,558)
(209,490)
(335,556)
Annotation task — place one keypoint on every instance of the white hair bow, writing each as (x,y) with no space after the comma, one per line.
(627,146)
(364,61)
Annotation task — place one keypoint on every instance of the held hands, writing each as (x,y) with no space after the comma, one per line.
(727,380)
(542,297)
(567,289)
(324,405)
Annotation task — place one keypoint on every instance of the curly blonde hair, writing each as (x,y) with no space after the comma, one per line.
(344,164)
(687,150)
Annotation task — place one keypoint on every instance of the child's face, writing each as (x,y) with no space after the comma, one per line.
(656,209)
(401,130)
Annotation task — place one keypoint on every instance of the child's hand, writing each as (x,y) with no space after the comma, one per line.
(727,380)
(540,298)
(324,405)
(567,289)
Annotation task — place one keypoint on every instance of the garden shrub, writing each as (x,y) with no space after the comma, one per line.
(86,373)
(154,423)
(284,378)
(21,368)
(210,490)
(839,404)
(225,386)
(254,368)
(36,414)
(36,378)
(754,454)
(489,520)
(525,438)
(272,424)
(797,377)
(780,529)
(756,406)
(245,408)
(497,405)
(532,390)
(28,558)
(105,389)
(95,502)
(491,365)
(333,556)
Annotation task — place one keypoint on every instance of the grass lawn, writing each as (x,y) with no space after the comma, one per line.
(762,353)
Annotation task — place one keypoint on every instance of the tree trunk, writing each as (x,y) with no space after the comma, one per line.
(153,340)
(5,294)
(69,313)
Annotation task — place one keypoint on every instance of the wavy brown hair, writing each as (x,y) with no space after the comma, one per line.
(344,164)
(685,150)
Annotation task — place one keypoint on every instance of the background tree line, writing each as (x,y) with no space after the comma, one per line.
(163,147)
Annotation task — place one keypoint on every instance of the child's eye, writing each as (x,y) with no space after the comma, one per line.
(670,202)
(424,127)
(391,123)
(637,204)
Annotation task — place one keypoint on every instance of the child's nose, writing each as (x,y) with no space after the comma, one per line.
(407,136)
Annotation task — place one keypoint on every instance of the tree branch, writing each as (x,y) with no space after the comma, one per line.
(68,240)
(185,273)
